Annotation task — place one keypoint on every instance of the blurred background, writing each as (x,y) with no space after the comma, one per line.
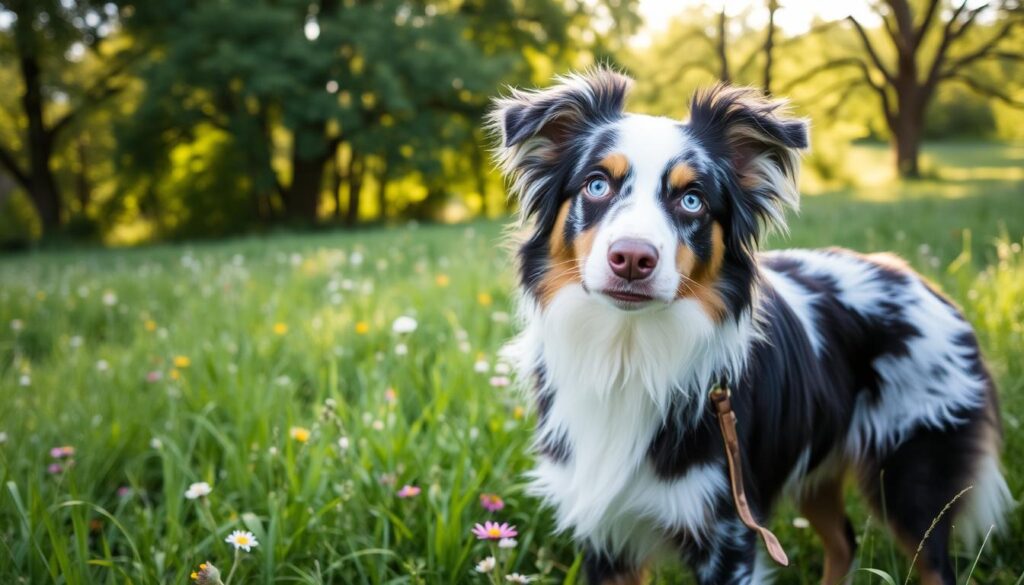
(134,121)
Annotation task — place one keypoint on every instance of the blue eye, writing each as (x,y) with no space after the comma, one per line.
(691,203)
(598,188)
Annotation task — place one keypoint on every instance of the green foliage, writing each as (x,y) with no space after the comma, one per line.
(297,332)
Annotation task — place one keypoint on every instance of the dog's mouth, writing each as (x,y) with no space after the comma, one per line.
(628,299)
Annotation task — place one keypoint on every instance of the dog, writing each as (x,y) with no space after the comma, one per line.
(643,287)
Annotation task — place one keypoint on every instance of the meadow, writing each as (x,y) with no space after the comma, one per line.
(341,395)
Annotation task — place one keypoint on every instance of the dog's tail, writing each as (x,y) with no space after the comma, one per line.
(988,503)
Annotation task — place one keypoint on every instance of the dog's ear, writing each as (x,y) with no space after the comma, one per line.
(537,127)
(760,142)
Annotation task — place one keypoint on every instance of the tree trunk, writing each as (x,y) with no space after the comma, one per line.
(480,172)
(383,178)
(769,47)
(42,187)
(907,139)
(82,186)
(355,187)
(336,181)
(723,56)
(304,194)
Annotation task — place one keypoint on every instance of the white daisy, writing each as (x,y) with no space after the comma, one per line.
(197,490)
(507,543)
(486,565)
(242,539)
(404,324)
(517,578)
(481,366)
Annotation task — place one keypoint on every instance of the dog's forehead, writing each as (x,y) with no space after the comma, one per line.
(650,143)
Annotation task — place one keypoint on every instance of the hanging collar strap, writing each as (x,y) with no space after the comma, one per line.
(727,421)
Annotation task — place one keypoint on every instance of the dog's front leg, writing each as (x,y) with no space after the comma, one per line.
(728,556)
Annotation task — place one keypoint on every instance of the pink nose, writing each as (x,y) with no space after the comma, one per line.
(632,259)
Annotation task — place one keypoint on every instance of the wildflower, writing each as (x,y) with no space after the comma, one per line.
(491,502)
(486,565)
(280,328)
(500,317)
(494,531)
(481,366)
(343,443)
(362,328)
(75,341)
(300,434)
(124,491)
(182,361)
(378,425)
(17,325)
(154,376)
(484,299)
(206,575)
(517,578)
(356,258)
(390,396)
(109,298)
(156,443)
(409,491)
(197,490)
(800,522)
(3,437)
(507,543)
(54,468)
(25,380)
(401,349)
(501,368)
(242,539)
(442,280)
(518,412)
(102,365)
(150,325)
(500,381)
(175,374)
(404,324)
(62,452)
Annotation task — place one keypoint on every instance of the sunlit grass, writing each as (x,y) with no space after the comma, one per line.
(171,365)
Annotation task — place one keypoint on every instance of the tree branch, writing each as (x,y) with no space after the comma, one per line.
(871,50)
(948,36)
(818,70)
(901,12)
(926,22)
(96,93)
(987,49)
(987,90)
(8,162)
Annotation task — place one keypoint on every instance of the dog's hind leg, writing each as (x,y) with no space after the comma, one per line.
(603,569)
(918,489)
(823,506)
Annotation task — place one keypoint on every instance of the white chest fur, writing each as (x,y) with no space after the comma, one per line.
(612,376)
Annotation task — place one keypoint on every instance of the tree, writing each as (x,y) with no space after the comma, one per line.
(42,33)
(928,50)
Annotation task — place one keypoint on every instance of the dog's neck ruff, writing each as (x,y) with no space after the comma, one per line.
(610,378)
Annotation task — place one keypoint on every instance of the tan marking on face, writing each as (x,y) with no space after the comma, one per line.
(564,263)
(681,175)
(698,278)
(616,164)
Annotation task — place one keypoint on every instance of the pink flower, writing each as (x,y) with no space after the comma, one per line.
(409,491)
(124,491)
(154,376)
(54,468)
(491,502)
(62,452)
(494,531)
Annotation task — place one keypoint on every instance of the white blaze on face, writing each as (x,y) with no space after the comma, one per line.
(650,144)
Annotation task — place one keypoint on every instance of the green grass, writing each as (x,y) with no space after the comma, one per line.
(324,514)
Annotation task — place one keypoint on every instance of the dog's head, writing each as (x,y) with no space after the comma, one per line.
(642,211)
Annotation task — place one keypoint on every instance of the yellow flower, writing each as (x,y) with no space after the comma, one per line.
(175,374)
(280,328)
(442,280)
(150,325)
(182,361)
(362,328)
(300,434)
(518,412)
(484,299)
